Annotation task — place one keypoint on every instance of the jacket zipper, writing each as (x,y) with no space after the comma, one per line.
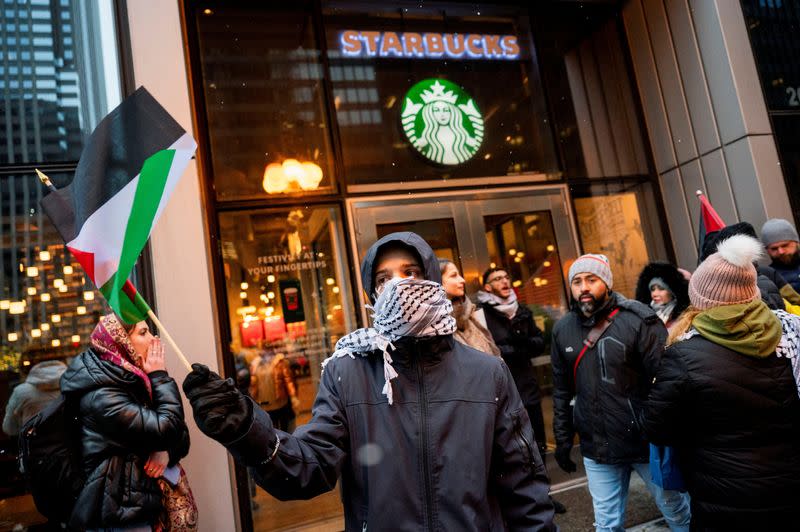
(526,443)
(423,403)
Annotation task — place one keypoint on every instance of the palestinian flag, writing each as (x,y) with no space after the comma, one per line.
(710,222)
(127,171)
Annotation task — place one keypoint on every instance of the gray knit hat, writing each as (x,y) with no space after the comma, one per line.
(728,276)
(593,263)
(778,230)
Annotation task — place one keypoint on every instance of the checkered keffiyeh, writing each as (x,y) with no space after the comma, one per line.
(789,346)
(405,307)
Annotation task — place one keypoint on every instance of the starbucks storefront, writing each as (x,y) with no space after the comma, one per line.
(325,126)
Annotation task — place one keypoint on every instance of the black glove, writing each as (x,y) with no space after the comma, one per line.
(220,409)
(562,458)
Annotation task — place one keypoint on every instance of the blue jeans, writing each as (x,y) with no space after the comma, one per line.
(608,485)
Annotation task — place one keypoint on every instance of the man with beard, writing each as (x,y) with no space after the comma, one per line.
(604,353)
(781,240)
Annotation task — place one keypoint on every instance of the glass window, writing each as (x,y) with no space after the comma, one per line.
(612,221)
(440,234)
(423,96)
(289,301)
(264,101)
(48,309)
(59,77)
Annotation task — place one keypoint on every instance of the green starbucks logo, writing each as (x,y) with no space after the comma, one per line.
(442,121)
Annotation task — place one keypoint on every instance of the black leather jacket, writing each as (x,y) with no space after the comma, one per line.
(120,427)
(613,380)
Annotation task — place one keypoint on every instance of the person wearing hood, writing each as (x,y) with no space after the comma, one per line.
(600,385)
(31,396)
(665,289)
(774,289)
(132,427)
(425,432)
(727,402)
(470,320)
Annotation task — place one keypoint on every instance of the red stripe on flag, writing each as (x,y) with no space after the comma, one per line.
(86,258)
(129,290)
(712,221)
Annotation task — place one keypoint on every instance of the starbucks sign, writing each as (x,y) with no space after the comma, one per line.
(442,122)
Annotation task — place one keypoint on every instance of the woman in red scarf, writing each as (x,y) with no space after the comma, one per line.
(132,427)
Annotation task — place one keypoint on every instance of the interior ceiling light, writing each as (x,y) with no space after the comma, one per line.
(68,269)
(16,307)
(88,296)
(44,255)
(32,271)
(45,297)
(280,177)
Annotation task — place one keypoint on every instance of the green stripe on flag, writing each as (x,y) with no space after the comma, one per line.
(150,188)
(130,311)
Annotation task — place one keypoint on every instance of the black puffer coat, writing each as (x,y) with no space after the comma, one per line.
(519,340)
(454,452)
(613,380)
(120,427)
(735,422)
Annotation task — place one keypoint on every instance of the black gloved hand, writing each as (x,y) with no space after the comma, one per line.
(220,410)
(562,458)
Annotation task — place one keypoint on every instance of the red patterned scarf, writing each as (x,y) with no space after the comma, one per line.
(111,343)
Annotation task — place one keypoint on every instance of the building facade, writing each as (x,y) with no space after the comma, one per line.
(508,134)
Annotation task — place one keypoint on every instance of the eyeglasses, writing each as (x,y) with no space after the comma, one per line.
(499,278)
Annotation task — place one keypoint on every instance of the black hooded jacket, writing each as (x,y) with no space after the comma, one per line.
(120,427)
(454,452)
(674,280)
(613,379)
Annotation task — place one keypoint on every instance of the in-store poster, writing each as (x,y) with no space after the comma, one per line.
(291,300)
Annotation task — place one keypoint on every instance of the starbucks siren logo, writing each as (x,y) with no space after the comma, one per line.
(442,121)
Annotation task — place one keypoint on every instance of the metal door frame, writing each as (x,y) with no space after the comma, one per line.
(422,206)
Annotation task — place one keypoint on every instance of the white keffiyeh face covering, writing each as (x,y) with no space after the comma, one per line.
(405,307)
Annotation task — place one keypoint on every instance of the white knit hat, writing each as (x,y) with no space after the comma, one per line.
(592,263)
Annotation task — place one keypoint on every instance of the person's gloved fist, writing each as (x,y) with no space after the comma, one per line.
(220,410)
(562,458)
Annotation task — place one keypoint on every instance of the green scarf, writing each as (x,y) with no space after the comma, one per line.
(750,329)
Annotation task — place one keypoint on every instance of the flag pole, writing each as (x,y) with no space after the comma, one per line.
(170,341)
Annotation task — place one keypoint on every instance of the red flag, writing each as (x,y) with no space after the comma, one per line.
(710,221)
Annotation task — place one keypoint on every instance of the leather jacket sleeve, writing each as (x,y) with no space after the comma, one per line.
(519,475)
(562,395)
(665,412)
(309,461)
(115,411)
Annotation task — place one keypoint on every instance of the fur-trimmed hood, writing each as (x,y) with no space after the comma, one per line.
(675,280)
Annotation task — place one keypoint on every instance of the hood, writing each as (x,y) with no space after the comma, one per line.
(410,240)
(46,375)
(87,372)
(750,329)
(675,280)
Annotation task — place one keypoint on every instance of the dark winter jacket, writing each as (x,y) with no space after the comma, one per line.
(790,273)
(735,423)
(769,284)
(613,379)
(519,340)
(674,280)
(454,452)
(120,427)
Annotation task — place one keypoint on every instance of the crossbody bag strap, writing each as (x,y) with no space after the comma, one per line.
(594,335)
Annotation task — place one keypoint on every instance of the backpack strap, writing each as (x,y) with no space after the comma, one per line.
(594,335)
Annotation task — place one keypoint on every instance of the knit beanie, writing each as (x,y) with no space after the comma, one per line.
(778,230)
(592,263)
(728,276)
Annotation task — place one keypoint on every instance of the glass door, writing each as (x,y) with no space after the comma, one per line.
(527,231)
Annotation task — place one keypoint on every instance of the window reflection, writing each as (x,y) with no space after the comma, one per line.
(58,77)
(263,85)
(289,301)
